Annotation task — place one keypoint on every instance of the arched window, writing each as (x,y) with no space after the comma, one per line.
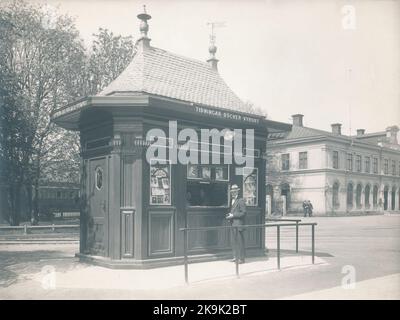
(375,197)
(350,196)
(270,192)
(367,192)
(358,196)
(335,196)
(285,191)
(393,198)
(386,198)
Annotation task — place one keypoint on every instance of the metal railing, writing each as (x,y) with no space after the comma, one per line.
(285,223)
(25,228)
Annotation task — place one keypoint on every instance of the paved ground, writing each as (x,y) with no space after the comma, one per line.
(366,248)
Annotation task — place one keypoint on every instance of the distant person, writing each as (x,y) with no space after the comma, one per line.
(309,208)
(305,208)
(237,218)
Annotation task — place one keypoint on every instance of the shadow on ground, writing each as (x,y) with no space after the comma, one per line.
(20,265)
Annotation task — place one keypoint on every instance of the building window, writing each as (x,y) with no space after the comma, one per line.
(302,160)
(367,192)
(335,195)
(367,164)
(349,196)
(285,161)
(207,185)
(393,167)
(375,165)
(160,184)
(99,178)
(386,166)
(358,163)
(250,186)
(375,196)
(349,162)
(335,160)
(358,196)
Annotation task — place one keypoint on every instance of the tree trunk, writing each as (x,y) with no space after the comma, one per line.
(15,197)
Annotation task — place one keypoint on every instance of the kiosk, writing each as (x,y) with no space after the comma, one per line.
(133,205)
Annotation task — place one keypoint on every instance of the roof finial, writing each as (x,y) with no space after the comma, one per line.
(144,27)
(212,49)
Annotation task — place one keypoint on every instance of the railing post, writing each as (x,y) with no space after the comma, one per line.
(278,246)
(25,229)
(236,249)
(52,228)
(297,237)
(185,258)
(312,243)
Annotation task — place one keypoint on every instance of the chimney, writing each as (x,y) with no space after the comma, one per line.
(336,128)
(391,134)
(360,132)
(298,119)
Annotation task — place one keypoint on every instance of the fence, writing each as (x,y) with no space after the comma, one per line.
(285,223)
(27,229)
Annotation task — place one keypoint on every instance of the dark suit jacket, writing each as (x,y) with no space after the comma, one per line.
(238,211)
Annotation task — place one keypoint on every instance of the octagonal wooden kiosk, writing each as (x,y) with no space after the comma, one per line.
(133,206)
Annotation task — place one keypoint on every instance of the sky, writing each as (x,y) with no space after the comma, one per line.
(333,61)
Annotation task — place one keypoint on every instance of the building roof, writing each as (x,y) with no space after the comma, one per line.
(301,132)
(159,72)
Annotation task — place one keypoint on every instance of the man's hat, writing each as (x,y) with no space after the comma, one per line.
(235,187)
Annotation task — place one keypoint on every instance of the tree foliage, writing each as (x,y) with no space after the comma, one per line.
(43,66)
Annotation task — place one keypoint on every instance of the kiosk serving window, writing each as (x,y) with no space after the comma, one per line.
(207,185)
(250,186)
(160,184)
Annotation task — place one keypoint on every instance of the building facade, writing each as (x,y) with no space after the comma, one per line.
(339,174)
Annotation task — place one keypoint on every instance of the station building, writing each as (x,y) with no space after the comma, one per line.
(339,174)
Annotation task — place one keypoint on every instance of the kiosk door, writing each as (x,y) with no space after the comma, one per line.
(97,231)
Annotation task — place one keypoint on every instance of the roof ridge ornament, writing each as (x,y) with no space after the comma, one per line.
(144,27)
(212,49)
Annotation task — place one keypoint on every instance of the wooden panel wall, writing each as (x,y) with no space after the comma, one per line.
(161,232)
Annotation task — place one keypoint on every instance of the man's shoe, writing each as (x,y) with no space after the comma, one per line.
(241,261)
(233,260)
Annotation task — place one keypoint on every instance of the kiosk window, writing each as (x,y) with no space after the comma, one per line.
(160,186)
(250,186)
(207,185)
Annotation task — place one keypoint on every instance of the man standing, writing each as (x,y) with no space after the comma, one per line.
(305,208)
(237,219)
(310,208)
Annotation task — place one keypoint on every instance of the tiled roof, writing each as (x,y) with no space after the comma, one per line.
(159,72)
(299,132)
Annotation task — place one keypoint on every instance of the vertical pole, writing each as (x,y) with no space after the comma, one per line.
(313,242)
(278,246)
(25,229)
(297,237)
(185,259)
(236,235)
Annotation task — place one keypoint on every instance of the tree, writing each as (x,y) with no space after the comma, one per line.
(40,66)
(108,57)
(250,107)
(43,66)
